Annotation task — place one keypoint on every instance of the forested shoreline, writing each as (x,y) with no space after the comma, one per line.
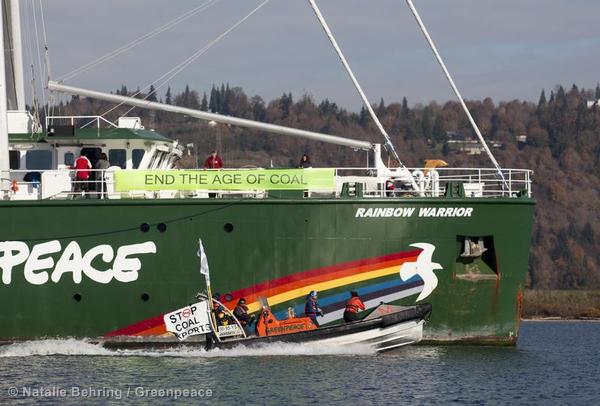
(558,137)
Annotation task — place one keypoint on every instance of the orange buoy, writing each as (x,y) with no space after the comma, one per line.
(14,186)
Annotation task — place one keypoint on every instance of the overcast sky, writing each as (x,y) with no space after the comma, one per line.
(504,49)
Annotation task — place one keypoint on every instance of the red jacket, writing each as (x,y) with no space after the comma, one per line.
(83,166)
(354,305)
(213,163)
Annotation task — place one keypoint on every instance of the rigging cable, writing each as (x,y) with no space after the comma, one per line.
(388,142)
(29,45)
(165,78)
(39,58)
(48,71)
(110,55)
(455,89)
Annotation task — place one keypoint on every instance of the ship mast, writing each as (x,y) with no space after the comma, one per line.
(363,96)
(388,142)
(17,54)
(439,59)
(4,156)
(12,89)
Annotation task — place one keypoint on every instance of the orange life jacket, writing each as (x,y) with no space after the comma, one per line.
(354,305)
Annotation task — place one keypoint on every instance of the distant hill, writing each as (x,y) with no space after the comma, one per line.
(559,138)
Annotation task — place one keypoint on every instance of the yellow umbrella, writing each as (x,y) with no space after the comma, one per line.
(434,163)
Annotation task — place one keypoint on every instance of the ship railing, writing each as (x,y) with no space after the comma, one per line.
(436,182)
(80,121)
(59,184)
(64,184)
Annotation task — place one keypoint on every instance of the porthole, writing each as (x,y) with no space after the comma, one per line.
(145,297)
(144,227)
(77,297)
(228,227)
(162,227)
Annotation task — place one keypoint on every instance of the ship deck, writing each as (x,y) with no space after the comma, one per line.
(60,184)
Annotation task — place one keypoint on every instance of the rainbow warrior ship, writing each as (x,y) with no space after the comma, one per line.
(111,260)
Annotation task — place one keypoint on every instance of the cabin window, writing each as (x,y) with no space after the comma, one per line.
(136,157)
(38,159)
(69,158)
(14,158)
(117,157)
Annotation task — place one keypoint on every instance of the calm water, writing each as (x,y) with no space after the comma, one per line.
(554,363)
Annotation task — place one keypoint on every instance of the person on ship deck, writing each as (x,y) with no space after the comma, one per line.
(214,161)
(312,309)
(241,313)
(353,306)
(305,162)
(102,165)
(82,168)
(390,188)
(221,316)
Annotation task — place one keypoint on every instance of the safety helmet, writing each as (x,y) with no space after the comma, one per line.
(313,293)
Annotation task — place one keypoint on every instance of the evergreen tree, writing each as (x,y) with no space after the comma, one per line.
(495,124)
(598,91)
(561,97)
(405,110)
(427,123)
(212,104)
(168,97)
(204,103)
(218,97)
(185,99)
(381,107)
(588,233)
(152,94)
(221,99)
(124,91)
(581,120)
(364,117)
(542,102)
(439,131)
(575,89)
(327,108)
(259,112)
(285,103)
(227,100)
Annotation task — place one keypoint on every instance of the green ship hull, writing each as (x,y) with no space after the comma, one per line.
(91,268)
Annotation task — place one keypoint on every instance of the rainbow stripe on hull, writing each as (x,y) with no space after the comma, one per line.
(377,280)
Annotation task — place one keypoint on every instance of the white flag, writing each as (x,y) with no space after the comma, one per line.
(203,259)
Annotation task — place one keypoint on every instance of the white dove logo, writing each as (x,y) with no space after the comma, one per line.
(422,267)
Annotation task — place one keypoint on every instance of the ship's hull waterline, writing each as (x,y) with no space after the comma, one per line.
(91,268)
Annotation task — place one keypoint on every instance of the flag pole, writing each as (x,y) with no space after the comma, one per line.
(204,270)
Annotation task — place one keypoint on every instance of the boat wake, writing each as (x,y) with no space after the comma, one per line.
(75,347)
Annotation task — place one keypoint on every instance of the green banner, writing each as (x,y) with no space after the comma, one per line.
(238,179)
